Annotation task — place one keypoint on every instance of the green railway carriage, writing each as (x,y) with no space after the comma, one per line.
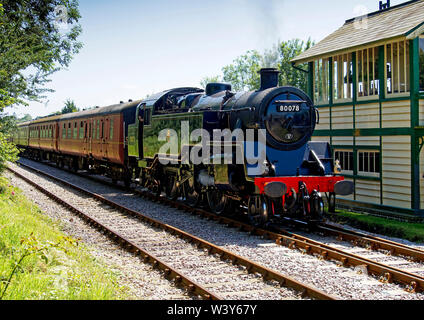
(367,80)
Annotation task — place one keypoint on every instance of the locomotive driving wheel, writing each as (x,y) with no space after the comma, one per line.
(217,201)
(258,211)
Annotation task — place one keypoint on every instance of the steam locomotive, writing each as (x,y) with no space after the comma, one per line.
(151,143)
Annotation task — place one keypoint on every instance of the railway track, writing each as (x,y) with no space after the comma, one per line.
(386,273)
(206,270)
(372,242)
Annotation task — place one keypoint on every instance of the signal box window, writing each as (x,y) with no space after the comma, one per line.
(321,81)
(345,159)
(397,67)
(343,79)
(422,63)
(369,162)
(367,72)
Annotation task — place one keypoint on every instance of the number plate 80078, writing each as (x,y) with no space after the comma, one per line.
(288,108)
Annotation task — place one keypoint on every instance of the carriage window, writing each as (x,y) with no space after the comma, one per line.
(397,67)
(367,72)
(342,83)
(69,135)
(98,129)
(321,81)
(103,130)
(64,131)
(111,129)
(422,64)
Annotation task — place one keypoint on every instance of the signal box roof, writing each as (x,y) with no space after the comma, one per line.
(405,20)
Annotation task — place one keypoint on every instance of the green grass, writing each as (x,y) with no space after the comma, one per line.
(54,267)
(393,228)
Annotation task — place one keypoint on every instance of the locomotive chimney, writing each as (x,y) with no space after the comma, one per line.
(269,78)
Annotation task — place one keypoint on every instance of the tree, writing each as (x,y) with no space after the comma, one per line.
(8,151)
(69,107)
(243,72)
(207,80)
(37,38)
(33,46)
(27,117)
(290,76)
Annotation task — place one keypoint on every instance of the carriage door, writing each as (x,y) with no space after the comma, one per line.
(90,136)
(51,136)
(85,135)
(105,140)
(103,144)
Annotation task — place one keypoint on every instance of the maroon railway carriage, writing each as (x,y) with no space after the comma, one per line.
(88,140)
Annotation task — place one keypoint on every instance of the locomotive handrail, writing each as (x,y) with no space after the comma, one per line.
(238,110)
(289,101)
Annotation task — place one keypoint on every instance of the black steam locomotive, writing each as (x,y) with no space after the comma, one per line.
(286,181)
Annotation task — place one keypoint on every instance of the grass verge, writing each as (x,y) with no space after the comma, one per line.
(39,262)
(409,231)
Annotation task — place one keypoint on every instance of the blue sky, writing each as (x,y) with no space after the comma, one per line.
(135,48)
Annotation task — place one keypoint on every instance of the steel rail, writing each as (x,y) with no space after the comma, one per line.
(414,282)
(372,242)
(251,266)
